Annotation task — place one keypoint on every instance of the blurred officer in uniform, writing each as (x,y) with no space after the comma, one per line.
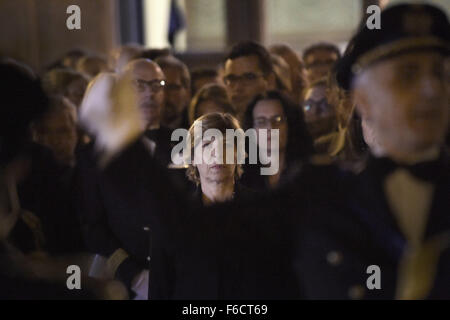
(385,233)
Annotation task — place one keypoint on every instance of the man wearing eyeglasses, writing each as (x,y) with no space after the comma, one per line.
(149,82)
(248,73)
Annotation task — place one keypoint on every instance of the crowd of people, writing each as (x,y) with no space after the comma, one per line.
(88,174)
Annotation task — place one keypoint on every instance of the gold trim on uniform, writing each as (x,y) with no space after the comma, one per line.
(418,267)
(115,260)
(396,47)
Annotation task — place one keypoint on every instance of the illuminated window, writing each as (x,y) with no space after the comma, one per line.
(206,25)
(301,23)
(205,28)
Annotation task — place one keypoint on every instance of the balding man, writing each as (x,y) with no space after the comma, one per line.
(149,81)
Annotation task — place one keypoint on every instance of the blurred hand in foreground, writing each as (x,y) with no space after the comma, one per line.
(109,112)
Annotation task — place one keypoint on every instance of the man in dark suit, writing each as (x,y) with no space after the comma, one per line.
(114,226)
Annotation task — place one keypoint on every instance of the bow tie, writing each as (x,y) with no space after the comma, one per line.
(429,171)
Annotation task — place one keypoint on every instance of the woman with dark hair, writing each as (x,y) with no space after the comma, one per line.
(274,110)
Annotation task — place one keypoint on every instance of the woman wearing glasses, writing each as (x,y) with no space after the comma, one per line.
(274,110)
(319,114)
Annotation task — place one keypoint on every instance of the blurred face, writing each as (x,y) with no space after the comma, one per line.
(319,115)
(148,80)
(71,61)
(319,63)
(269,114)
(75,91)
(210,171)
(316,104)
(244,80)
(405,101)
(93,66)
(208,106)
(176,96)
(59,134)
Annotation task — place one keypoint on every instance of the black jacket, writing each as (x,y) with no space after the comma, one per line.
(203,257)
(47,192)
(225,252)
(116,212)
(162,138)
(349,227)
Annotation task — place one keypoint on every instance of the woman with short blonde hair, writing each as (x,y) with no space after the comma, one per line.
(217,181)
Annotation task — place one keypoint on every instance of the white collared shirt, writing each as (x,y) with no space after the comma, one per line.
(149,144)
(410,199)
